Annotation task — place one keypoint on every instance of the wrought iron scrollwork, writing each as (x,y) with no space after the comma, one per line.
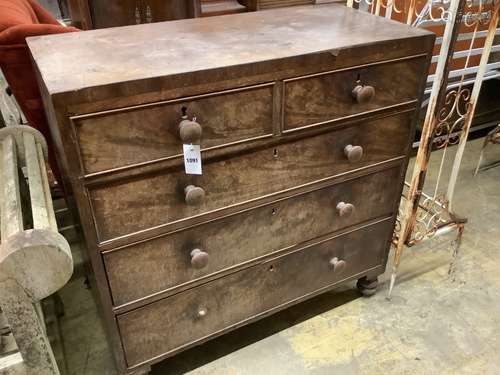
(451,117)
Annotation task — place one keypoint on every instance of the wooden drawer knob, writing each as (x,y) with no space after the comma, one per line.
(189,132)
(337,264)
(194,195)
(345,209)
(363,94)
(353,153)
(199,258)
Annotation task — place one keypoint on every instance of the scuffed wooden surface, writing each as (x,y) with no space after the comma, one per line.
(8,106)
(34,263)
(69,62)
(30,337)
(12,220)
(40,261)
(152,132)
(134,205)
(256,290)
(231,240)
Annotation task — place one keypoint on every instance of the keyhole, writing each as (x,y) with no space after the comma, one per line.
(274,211)
(271,268)
(275,153)
(358,79)
(184,111)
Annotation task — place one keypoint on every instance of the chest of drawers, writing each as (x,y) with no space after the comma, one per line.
(304,117)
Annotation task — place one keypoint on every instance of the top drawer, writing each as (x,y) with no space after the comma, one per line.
(324,97)
(129,136)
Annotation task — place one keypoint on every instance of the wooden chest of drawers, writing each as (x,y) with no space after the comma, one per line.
(304,117)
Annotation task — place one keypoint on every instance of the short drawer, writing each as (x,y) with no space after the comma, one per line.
(129,136)
(215,247)
(133,205)
(170,324)
(324,97)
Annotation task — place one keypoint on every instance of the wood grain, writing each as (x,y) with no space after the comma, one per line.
(244,237)
(174,322)
(128,180)
(327,97)
(130,53)
(128,136)
(130,206)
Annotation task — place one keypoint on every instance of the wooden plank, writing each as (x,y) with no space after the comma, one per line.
(39,206)
(8,106)
(11,214)
(46,189)
(30,336)
(101,53)
(53,308)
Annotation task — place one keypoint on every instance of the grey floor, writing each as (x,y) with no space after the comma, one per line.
(432,325)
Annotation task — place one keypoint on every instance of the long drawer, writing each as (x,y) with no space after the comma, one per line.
(133,205)
(185,318)
(128,136)
(325,97)
(220,245)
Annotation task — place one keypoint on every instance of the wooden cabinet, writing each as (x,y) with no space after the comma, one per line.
(304,131)
(96,14)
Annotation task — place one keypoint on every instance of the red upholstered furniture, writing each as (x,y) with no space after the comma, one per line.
(20,19)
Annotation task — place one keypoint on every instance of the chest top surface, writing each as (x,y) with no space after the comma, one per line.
(75,61)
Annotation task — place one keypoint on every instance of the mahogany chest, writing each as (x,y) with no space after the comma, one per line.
(304,117)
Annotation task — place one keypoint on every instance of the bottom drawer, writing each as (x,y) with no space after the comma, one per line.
(185,318)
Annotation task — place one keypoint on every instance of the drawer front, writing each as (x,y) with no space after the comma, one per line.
(233,240)
(134,205)
(268,4)
(177,321)
(125,137)
(326,97)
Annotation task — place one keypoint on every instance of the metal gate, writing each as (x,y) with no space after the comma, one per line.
(461,58)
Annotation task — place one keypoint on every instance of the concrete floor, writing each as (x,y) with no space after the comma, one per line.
(431,326)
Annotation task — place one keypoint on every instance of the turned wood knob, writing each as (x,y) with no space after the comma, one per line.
(194,195)
(189,131)
(353,153)
(199,258)
(363,94)
(345,209)
(337,264)
(202,312)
